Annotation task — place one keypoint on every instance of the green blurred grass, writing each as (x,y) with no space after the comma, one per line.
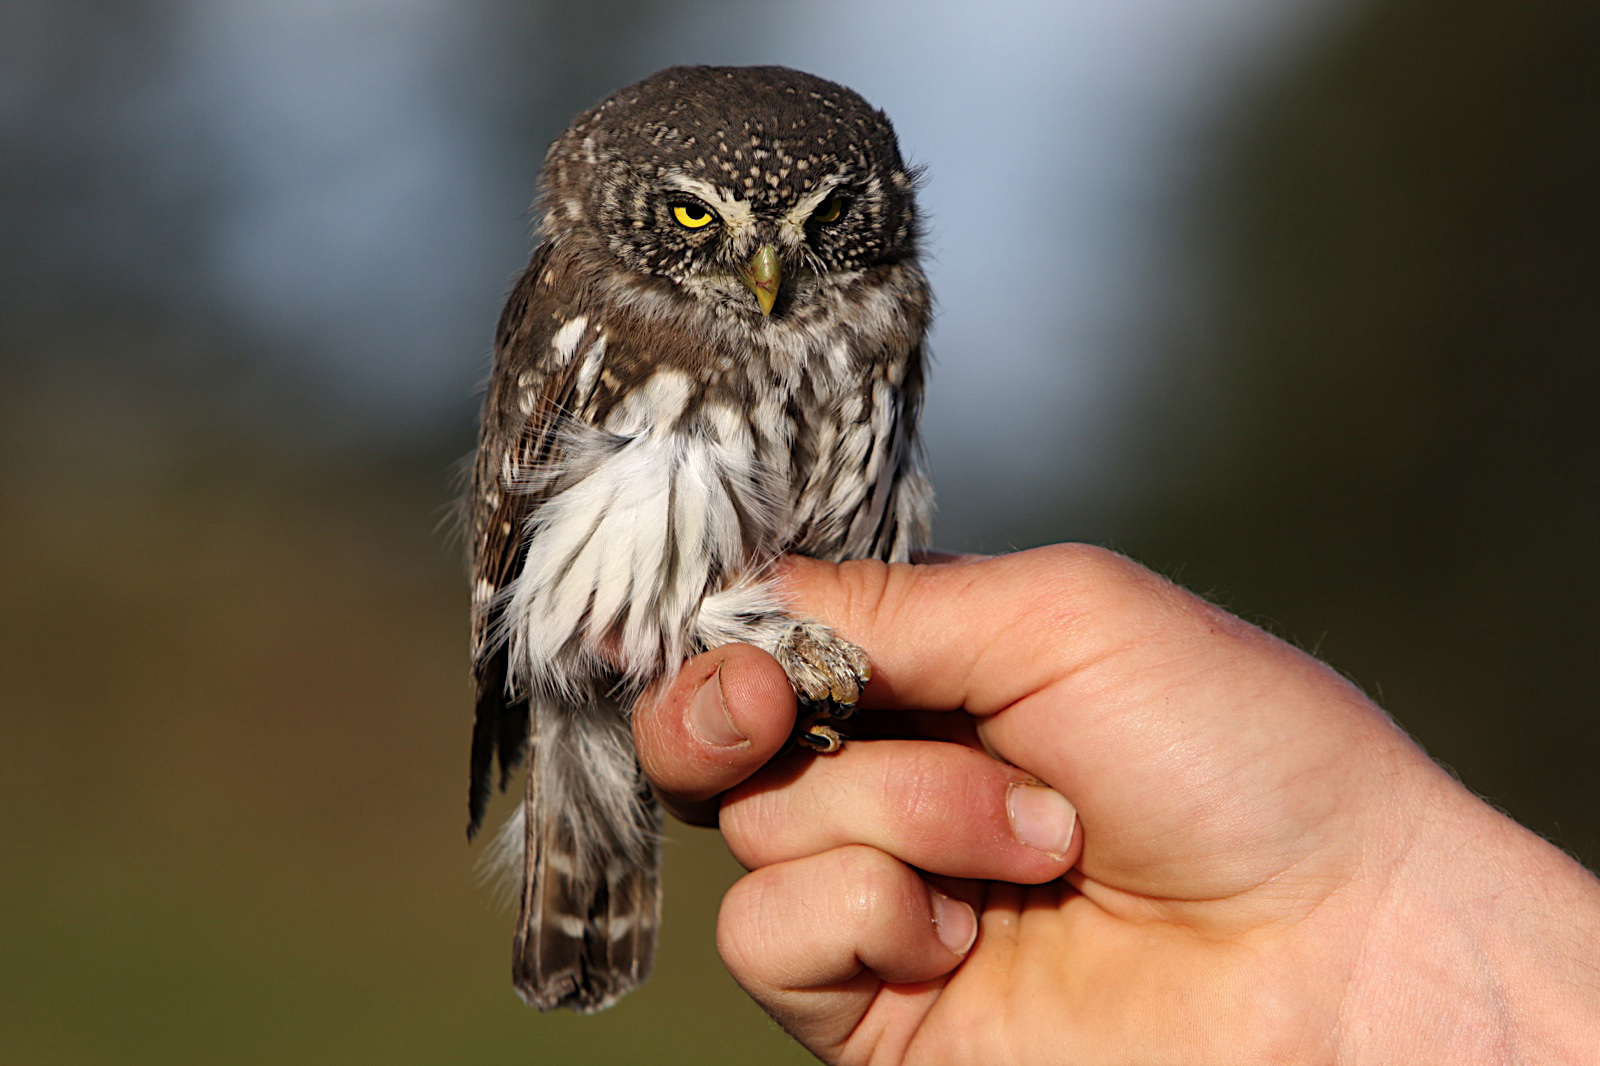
(235,727)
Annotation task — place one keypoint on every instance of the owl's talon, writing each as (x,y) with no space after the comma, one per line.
(823,739)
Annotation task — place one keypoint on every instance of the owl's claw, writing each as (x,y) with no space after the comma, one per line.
(824,739)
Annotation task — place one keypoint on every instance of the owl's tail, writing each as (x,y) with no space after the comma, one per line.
(587,839)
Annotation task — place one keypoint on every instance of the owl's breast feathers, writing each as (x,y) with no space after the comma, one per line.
(649,467)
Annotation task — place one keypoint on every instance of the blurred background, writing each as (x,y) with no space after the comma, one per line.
(1296,301)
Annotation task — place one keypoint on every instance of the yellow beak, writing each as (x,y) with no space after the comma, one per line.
(762,276)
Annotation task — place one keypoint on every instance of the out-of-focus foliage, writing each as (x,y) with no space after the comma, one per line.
(1386,445)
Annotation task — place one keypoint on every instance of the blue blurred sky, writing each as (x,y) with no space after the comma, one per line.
(346,180)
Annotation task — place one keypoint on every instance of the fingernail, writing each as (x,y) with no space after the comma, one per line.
(955,922)
(709,719)
(1041,818)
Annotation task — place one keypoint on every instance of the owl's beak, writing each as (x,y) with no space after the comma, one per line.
(762,275)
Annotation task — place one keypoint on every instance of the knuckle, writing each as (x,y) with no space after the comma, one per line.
(933,790)
(877,890)
(864,586)
(1079,585)
(741,918)
(1084,571)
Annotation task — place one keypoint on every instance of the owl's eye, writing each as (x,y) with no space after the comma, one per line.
(828,210)
(692,216)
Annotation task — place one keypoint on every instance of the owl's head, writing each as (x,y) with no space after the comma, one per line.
(749,189)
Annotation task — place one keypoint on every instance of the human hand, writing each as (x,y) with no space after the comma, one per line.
(1265,869)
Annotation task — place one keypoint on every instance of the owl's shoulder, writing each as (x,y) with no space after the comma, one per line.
(542,300)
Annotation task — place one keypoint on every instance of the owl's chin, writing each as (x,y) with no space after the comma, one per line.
(729,299)
(723,294)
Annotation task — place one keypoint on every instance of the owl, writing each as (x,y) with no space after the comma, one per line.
(713,358)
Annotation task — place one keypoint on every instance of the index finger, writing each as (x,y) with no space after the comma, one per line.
(965,632)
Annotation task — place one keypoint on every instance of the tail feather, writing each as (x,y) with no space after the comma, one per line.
(590,902)
(633,918)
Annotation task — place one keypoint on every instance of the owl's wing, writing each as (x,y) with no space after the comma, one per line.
(897,518)
(530,389)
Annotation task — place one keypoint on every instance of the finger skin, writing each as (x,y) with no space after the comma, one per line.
(967,633)
(1270,870)
(938,807)
(814,940)
(687,772)
(1141,703)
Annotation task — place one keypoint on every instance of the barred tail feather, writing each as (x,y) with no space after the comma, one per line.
(590,902)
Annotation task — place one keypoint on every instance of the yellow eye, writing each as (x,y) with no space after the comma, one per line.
(828,210)
(692,216)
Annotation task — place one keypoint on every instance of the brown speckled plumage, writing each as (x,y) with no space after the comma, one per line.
(714,357)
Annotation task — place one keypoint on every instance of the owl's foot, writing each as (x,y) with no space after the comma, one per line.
(828,675)
(823,667)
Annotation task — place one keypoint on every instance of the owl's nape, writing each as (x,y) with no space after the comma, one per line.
(713,358)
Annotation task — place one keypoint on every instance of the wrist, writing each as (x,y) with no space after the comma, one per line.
(1483,946)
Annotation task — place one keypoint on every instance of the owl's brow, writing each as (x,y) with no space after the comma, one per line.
(735,213)
(826,187)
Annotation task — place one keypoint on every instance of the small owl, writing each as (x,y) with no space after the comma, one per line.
(713,358)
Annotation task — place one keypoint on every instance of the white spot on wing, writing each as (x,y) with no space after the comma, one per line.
(589,370)
(565,342)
